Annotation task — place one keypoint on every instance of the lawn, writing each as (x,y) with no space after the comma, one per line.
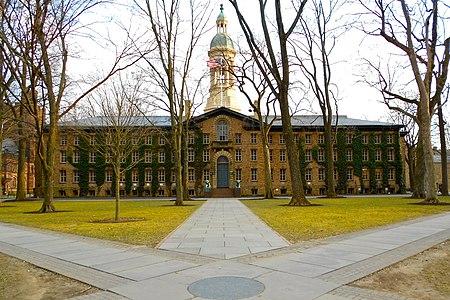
(337,216)
(78,217)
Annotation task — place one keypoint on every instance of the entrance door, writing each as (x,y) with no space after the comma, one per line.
(223,174)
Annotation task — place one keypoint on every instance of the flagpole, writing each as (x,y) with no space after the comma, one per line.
(221,85)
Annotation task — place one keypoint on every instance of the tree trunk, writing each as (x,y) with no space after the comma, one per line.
(328,135)
(49,165)
(178,164)
(411,161)
(427,151)
(419,174)
(444,162)
(268,194)
(21,185)
(298,193)
(117,188)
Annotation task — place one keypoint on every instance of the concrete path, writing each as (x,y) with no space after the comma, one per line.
(223,228)
(300,271)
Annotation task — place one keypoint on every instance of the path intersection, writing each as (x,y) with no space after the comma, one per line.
(223,251)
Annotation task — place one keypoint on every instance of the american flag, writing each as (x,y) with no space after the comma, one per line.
(214,63)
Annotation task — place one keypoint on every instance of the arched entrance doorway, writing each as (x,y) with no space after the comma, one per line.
(223,174)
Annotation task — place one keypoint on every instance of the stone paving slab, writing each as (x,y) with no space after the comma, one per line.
(290,273)
(223,229)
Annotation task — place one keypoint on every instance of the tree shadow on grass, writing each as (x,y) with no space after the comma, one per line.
(48,212)
(309,205)
(121,220)
(430,203)
(5,206)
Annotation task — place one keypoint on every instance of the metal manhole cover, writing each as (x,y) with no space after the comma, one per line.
(226,288)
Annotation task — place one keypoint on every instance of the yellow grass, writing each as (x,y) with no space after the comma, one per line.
(337,216)
(160,218)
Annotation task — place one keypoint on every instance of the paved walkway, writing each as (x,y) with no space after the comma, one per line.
(293,272)
(223,228)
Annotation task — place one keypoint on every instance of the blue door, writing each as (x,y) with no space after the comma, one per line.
(222,172)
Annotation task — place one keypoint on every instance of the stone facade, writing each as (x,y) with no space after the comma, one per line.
(225,153)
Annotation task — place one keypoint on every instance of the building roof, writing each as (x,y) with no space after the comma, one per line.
(158,121)
(221,40)
(298,121)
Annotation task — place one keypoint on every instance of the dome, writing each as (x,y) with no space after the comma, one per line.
(221,40)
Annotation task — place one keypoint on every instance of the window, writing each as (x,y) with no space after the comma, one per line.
(108,156)
(379,174)
(135,140)
(162,157)
(206,138)
(135,156)
(308,174)
(390,139)
(121,175)
(365,139)
(191,175)
(92,176)
(162,175)
(63,156)
(271,155)
(282,141)
(365,174)
(296,139)
(76,176)
(390,154)
(108,175)
(123,157)
(62,176)
(148,140)
(270,139)
(335,175)
(321,139)
(191,155)
(349,154)
(76,140)
(206,155)
(282,174)
(238,155)
(253,154)
(76,157)
(135,175)
(308,155)
(253,139)
(282,155)
(91,140)
(308,139)
(378,154)
(254,174)
(335,155)
(238,138)
(191,138)
(222,131)
(366,154)
(321,174)
(349,174)
(92,156)
(349,138)
(378,139)
(321,154)
(63,140)
(238,174)
(162,140)
(148,175)
(206,175)
(148,156)
(391,174)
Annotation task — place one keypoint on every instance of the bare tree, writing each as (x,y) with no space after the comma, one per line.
(115,128)
(317,40)
(278,76)
(37,52)
(415,29)
(442,139)
(176,29)
(252,85)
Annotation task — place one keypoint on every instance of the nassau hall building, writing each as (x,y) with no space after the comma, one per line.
(225,155)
